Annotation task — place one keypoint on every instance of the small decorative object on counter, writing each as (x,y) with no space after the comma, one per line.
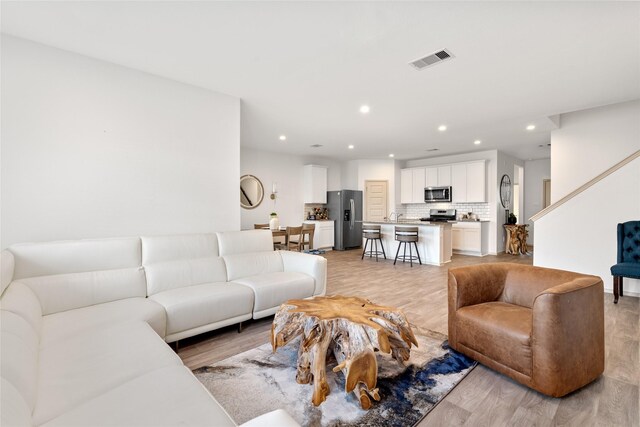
(512,219)
(274,222)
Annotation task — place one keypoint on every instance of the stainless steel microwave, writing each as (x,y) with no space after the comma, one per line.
(437,194)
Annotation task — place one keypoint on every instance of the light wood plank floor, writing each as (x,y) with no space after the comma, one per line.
(484,397)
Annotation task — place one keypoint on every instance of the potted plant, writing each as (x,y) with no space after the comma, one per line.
(274,222)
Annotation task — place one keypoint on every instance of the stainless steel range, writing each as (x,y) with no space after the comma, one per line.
(440,215)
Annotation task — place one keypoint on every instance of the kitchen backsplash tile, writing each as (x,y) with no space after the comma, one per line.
(420,210)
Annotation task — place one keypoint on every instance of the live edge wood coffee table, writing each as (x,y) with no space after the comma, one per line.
(350,327)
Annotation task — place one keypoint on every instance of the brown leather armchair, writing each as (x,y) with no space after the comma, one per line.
(542,327)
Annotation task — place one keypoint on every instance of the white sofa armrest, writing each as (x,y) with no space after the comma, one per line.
(313,265)
(277,418)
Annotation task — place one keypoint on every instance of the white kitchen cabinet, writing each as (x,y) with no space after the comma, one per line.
(431,177)
(459,183)
(468,182)
(418,185)
(476,182)
(315,184)
(323,235)
(444,176)
(470,238)
(406,186)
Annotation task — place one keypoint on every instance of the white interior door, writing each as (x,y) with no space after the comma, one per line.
(375,199)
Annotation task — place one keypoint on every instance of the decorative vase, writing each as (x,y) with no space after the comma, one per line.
(274,223)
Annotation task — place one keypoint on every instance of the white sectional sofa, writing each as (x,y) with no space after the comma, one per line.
(83,323)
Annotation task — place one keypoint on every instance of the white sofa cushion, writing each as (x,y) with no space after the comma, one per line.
(19,355)
(312,265)
(196,306)
(272,289)
(170,396)
(20,299)
(275,418)
(182,246)
(175,261)
(81,368)
(15,411)
(6,269)
(75,256)
(63,292)
(67,324)
(242,242)
(252,264)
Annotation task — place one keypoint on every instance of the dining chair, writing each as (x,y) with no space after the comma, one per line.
(307,230)
(293,239)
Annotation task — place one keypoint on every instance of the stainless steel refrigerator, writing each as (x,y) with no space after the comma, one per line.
(345,207)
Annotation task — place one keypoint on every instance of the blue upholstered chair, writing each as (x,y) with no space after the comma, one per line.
(628,256)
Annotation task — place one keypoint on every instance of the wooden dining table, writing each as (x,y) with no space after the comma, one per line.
(282,232)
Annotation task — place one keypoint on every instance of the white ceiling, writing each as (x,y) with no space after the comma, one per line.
(303,69)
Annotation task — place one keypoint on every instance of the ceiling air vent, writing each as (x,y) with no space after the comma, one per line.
(429,60)
(316,145)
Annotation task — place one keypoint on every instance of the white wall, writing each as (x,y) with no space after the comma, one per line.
(589,142)
(581,234)
(356,172)
(92,149)
(535,171)
(287,171)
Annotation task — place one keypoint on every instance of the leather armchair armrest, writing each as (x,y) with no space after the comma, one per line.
(473,285)
(567,338)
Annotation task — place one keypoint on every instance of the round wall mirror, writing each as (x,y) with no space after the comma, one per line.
(251,192)
(505,191)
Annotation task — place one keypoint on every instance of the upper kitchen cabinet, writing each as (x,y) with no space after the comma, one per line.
(431,177)
(412,183)
(468,182)
(444,176)
(406,186)
(418,184)
(315,184)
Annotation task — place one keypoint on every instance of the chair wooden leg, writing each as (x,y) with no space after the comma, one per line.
(621,286)
(410,256)
(404,252)
(616,288)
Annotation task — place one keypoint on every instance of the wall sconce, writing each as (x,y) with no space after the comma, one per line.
(274,191)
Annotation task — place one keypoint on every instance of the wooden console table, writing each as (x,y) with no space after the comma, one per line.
(516,239)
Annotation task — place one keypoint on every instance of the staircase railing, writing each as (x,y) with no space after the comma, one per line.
(582,188)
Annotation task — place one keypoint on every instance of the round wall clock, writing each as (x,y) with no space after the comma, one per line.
(505,191)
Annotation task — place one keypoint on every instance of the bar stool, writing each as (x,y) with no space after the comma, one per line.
(372,234)
(407,235)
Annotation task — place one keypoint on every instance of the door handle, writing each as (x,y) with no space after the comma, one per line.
(352,206)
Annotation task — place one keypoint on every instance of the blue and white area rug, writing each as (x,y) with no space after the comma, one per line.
(258,381)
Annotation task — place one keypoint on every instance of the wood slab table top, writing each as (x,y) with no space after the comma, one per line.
(353,329)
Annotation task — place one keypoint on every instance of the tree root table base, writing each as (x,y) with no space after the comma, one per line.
(351,328)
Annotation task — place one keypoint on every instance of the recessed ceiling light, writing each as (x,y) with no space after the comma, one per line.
(283,137)
(364,109)
(351,147)
(531,127)
(442,128)
(477,142)
(391,155)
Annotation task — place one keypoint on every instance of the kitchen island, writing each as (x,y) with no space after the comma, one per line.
(434,244)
